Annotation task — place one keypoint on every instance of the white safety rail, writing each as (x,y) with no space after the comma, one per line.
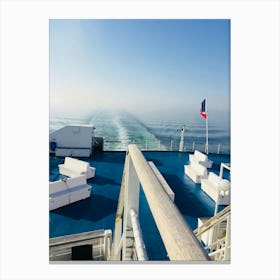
(169,145)
(222,167)
(215,233)
(179,240)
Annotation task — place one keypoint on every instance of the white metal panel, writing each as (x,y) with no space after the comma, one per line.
(73,136)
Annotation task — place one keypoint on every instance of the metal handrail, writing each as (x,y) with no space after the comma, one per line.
(137,232)
(218,218)
(178,238)
(173,146)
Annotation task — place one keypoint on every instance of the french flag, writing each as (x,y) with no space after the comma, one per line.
(203,109)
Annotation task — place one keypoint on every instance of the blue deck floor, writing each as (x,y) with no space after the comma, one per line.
(99,211)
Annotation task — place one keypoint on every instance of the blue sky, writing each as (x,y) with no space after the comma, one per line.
(160,67)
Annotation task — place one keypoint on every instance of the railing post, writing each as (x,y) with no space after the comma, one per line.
(107,245)
(227,242)
(117,238)
(181,145)
(131,201)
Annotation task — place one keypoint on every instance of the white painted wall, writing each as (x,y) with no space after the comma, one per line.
(73,136)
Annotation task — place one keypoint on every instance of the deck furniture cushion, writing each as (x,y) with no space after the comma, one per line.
(201,158)
(67,191)
(74,167)
(217,188)
(196,171)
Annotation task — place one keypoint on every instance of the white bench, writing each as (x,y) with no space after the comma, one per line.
(74,167)
(201,158)
(196,171)
(67,191)
(217,188)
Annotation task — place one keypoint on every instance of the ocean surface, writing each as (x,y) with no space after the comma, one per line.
(152,134)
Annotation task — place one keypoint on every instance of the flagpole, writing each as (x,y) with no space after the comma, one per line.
(206,109)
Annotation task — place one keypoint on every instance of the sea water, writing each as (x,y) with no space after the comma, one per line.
(122,128)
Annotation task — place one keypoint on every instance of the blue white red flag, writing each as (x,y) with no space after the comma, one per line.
(203,109)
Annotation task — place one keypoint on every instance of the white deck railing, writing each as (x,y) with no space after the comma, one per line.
(219,247)
(172,145)
(178,238)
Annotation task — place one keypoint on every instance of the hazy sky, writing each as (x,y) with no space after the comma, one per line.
(143,66)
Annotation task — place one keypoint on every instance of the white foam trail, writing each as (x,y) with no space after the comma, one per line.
(122,134)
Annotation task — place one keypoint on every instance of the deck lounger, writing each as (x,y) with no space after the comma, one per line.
(74,167)
(217,188)
(201,158)
(67,191)
(196,171)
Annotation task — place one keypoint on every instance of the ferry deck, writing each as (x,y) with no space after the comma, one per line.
(99,210)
